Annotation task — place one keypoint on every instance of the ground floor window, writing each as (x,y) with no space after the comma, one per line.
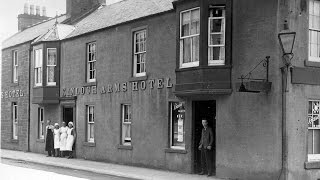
(41,123)
(126,124)
(90,123)
(177,121)
(14,120)
(313,130)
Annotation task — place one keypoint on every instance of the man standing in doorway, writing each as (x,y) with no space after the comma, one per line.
(205,146)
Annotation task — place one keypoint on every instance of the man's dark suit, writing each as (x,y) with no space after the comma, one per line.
(206,158)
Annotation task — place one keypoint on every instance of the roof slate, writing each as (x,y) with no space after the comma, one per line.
(31,33)
(123,11)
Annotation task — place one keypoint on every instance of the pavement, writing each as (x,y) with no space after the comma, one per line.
(101,167)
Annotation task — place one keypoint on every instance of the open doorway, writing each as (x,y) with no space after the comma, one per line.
(207,110)
(68,117)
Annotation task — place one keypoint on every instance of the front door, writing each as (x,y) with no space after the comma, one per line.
(207,110)
(68,116)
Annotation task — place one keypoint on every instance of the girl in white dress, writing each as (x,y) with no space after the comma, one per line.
(70,139)
(63,138)
(56,138)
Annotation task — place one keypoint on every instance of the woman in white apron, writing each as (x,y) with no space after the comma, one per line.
(70,139)
(56,139)
(63,139)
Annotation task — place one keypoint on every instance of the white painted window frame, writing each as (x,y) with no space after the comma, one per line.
(126,122)
(313,157)
(192,63)
(94,61)
(171,129)
(90,123)
(15,66)
(312,58)
(38,59)
(48,66)
(15,121)
(217,62)
(41,122)
(136,53)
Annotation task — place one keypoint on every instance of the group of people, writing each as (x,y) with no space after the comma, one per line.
(59,140)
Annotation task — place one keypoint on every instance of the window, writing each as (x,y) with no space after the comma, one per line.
(177,121)
(41,123)
(15,66)
(38,67)
(91,62)
(90,122)
(189,37)
(314,30)
(216,41)
(14,120)
(313,130)
(51,66)
(126,124)
(140,38)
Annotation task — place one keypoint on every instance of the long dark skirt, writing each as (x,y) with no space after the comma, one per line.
(49,141)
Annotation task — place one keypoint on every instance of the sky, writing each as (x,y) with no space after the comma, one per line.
(10,9)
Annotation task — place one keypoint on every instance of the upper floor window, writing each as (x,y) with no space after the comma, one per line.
(38,67)
(314,30)
(91,62)
(140,38)
(313,130)
(15,66)
(189,37)
(14,120)
(90,123)
(216,41)
(126,124)
(51,66)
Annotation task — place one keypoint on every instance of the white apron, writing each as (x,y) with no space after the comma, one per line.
(56,133)
(70,140)
(63,138)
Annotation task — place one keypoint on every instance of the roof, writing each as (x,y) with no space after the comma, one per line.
(31,33)
(123,11)
(57,32)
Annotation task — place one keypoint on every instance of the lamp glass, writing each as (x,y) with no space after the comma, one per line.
(287,41)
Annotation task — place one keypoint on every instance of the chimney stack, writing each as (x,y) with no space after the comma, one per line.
(44,11)
(25,20)
(31,9)
(38,10)
(26,8)
(77,8)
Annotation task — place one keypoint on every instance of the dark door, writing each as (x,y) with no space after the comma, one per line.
(207,110)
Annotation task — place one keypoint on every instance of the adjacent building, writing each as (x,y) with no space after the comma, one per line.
(138,76)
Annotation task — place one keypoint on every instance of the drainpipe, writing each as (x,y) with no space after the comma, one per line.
(29,79)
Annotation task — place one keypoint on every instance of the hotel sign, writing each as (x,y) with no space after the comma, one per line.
(118,87)
(11,94)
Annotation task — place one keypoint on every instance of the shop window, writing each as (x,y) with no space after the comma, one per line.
(14,120)
(51,66)
(91,62)
(313,130)
(15,66)
(140,38)
(41,126)
(90,123)
(189,37)
(38,67)
(314,30)
(126,124)
(177,128)
(216,41)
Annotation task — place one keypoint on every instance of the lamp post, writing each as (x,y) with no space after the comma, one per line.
(286,40)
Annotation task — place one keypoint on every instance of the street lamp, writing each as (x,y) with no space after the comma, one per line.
(286,40)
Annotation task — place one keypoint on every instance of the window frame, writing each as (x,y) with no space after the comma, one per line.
(55,65)
(38,68)
(312,157)
(41,124)
(15,65)
(171,127)
(123,123)
(15,129)
(91,140)
(135,54)
(310,29)
(217,62)
(91,61)
(192,63)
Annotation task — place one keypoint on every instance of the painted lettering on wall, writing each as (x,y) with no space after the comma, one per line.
(119,87)
(12,94)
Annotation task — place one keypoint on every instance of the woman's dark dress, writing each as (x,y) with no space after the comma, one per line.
(49,140)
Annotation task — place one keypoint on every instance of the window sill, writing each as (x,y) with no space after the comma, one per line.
(180,151)
(312,63)
(89,144)
(14,84)
(204,67)
(14,141)
(141,78)
(127,147)
(312,165)
(90,83)
(40,140)
(37,87)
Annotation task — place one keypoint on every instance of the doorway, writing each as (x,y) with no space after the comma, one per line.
(68,117)
(207,110)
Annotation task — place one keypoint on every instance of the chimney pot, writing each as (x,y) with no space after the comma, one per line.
(31,9)
(44,11)
(26,8)
(38,10)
